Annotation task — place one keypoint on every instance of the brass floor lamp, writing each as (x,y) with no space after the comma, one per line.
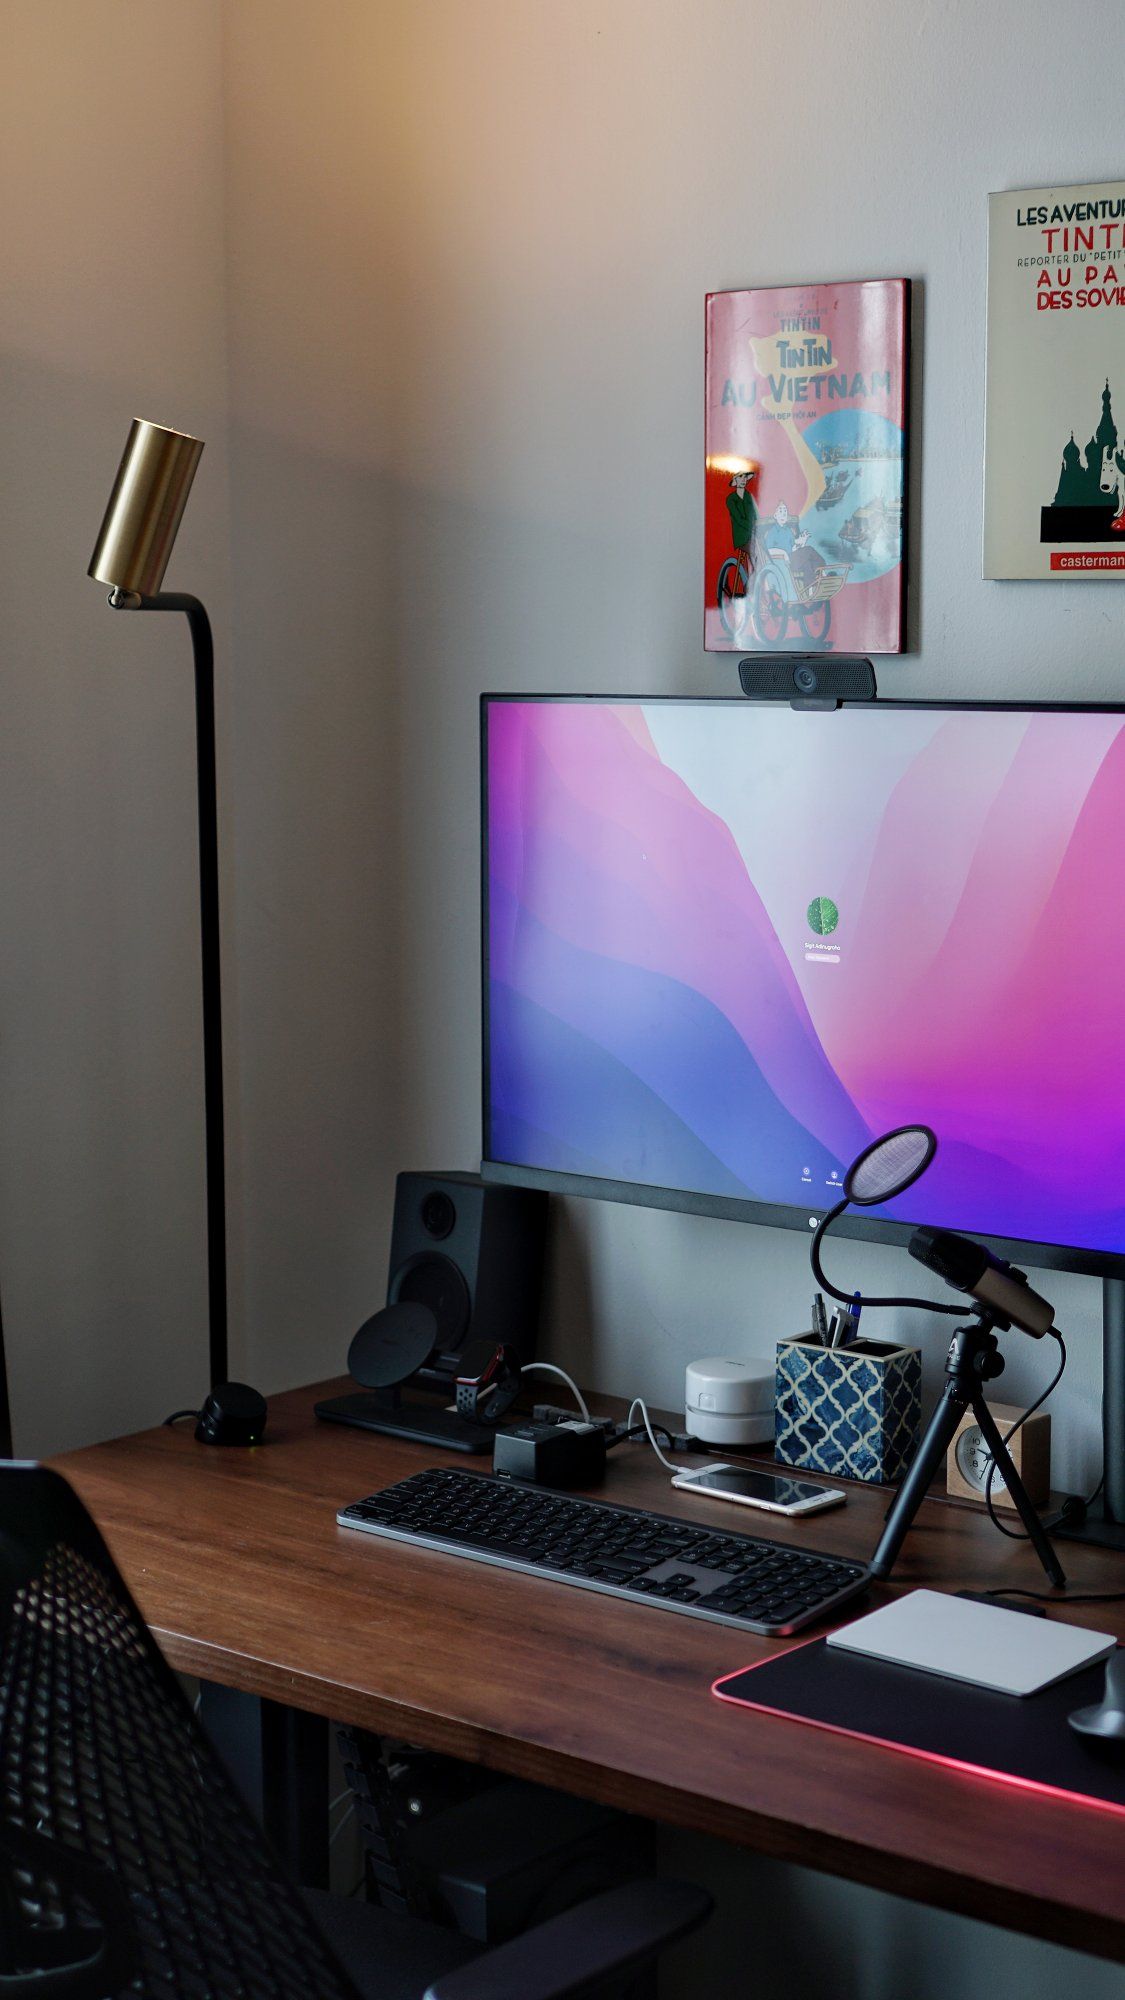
(131,555)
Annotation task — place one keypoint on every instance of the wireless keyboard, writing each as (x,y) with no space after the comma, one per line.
(733,1579)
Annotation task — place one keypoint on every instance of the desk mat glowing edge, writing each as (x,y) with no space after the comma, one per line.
(1023,1742)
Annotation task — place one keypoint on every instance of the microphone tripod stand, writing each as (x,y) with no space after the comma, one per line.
(974,1358)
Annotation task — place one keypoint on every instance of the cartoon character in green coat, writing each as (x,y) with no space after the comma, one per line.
(743,510)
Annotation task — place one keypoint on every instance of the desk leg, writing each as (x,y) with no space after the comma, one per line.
(278,1759)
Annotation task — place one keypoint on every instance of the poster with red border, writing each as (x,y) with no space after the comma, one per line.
(1054,479)
(805,484)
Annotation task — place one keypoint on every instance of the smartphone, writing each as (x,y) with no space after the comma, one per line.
(772,1490)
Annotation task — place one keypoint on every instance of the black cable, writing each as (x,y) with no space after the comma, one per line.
(1048,1596)
(638,1430)
(1014,1534)
(1053,1597)
(846,1298)
(1087,1504)
(1073,1507)
(177,1414)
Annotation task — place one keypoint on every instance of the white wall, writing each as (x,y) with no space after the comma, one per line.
(570,181)
(447,262)
(317,687)
(435,270)
(111,306)
(469,248)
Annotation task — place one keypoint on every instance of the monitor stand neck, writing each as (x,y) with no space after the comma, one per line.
(1104,1523)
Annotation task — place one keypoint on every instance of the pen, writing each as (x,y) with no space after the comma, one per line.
(819,1319)
(841,1321)
(855,1309)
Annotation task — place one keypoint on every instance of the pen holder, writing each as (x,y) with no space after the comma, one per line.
(853,1411)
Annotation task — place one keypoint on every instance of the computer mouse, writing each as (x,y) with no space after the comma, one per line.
(233,1414)
(1104,1723)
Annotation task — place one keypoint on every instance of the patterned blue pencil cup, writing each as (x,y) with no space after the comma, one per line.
(853,1411)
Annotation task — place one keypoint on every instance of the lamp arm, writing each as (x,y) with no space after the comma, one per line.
(203,655)
(846,1298)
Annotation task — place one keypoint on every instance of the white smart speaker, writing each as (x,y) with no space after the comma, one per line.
(730,1402)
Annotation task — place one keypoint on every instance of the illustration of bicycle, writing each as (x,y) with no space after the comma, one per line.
(772,593)
(734,593)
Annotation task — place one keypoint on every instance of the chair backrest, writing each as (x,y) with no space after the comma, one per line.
(128,1863)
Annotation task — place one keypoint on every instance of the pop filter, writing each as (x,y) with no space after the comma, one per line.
(885,1168)
(889,1165)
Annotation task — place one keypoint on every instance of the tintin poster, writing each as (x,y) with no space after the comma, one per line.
(805,440)
(1054,488)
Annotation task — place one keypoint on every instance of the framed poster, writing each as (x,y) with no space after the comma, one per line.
(805,441)
(1054,483)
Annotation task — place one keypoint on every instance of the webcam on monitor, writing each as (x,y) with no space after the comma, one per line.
(807,680)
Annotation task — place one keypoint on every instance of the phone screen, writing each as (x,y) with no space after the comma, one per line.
(769,1486)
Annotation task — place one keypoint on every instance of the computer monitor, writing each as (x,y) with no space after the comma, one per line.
(727,943)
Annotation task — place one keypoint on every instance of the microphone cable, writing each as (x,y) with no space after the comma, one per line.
(1020,1534)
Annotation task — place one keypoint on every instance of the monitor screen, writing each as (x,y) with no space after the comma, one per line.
(728,943)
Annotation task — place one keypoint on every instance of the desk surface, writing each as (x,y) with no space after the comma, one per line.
(241,1571)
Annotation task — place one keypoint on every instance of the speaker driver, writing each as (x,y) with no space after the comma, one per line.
(473,1254)
(436,1282)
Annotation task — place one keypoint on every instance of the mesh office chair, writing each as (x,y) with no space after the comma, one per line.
(128,1863)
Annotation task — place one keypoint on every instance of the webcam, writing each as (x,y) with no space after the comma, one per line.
(823,681)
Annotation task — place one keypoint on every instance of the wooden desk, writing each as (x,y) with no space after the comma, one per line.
(240,1569)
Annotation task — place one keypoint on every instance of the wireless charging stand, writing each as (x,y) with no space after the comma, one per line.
(384,1411)
(389,1348)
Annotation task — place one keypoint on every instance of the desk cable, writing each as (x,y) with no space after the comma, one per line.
(548,1368)
(1015,1534)
(1078,1506)
(616,1435)
(645,1426)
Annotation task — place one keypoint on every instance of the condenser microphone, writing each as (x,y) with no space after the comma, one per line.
(969,1267)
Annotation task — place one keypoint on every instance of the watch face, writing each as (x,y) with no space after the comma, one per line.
(974,1459)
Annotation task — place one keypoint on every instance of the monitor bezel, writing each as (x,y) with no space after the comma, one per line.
(773,1215)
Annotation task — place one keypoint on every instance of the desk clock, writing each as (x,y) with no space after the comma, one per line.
(968,1458)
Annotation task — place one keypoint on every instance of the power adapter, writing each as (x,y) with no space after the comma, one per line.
(559,1455)
(555,1413)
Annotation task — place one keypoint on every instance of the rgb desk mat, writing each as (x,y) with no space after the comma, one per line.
(1023,1740)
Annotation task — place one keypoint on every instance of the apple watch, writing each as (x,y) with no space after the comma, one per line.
(488,1381)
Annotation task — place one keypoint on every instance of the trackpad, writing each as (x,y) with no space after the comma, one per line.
(980,1643)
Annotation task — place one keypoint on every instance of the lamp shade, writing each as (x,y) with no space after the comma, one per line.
(145,508)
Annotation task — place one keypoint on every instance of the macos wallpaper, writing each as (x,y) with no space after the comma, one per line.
(728,945)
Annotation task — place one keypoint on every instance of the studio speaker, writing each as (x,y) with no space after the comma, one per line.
(473,1254)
